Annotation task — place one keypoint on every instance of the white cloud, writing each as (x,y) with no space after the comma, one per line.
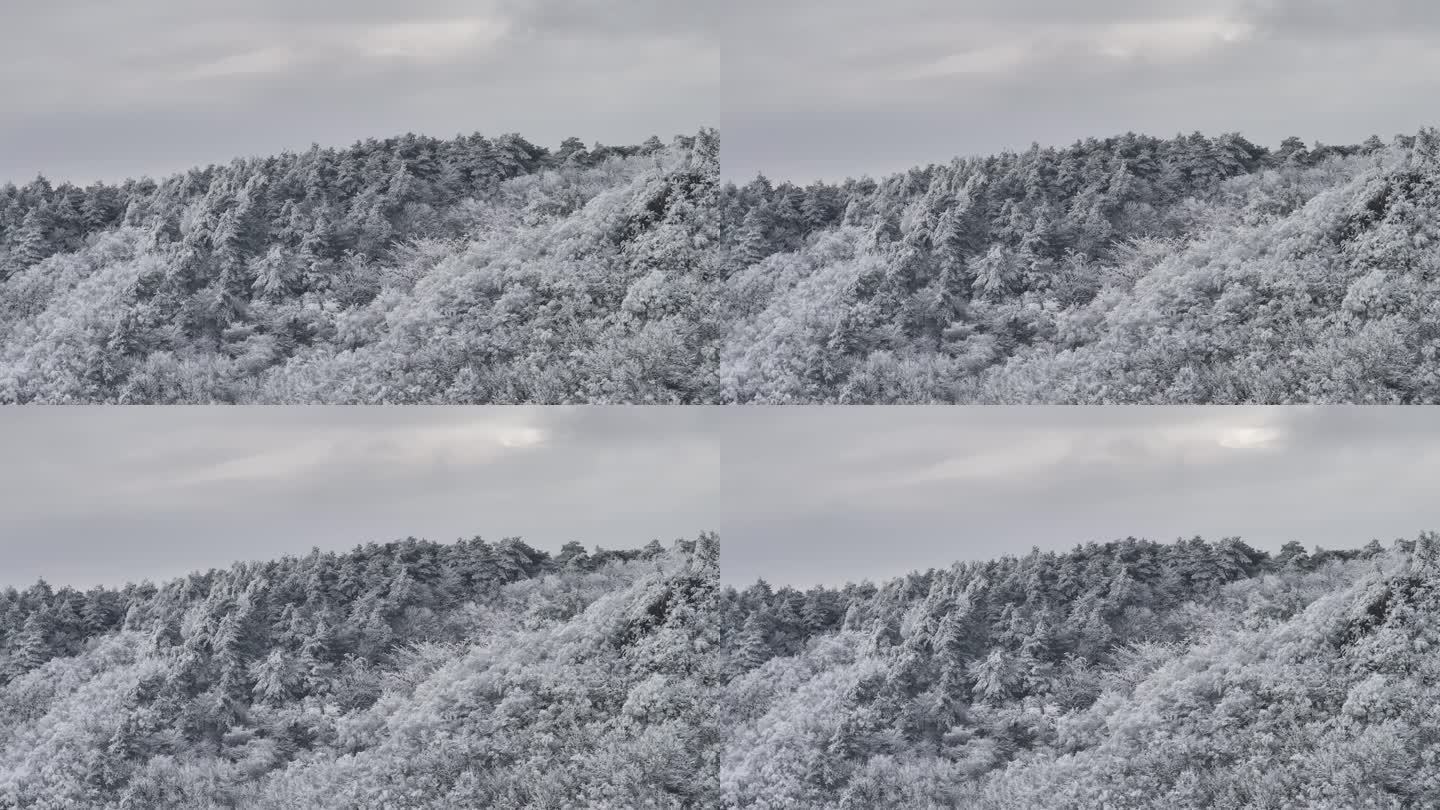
(1013,461)
(994,59)
(249,63)
(432,41)
(1200,437)
(1170,40)
(1250,438)
(385,452)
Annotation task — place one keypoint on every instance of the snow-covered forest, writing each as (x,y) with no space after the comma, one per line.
(1129,269)
(1122,675)
(405,675)
(404,270)
(1129,674)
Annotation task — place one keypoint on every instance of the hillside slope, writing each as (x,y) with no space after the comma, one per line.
(410,675)
(405,270)
(1128,269)
(1127,675)
(1335,707)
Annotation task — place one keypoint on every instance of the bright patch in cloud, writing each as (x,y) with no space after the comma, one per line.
(1014,461)
(1249,438)
(1153,40)
(990,60)
(432,41)
(1170,39)
(393,450)
(248,63)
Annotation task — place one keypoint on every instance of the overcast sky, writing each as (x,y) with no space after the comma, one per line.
(835,88)
(829,495)
(800,495)
(95,90)
(111,494)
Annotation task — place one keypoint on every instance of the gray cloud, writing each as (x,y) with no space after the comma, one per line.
(837,494)
(1397,18)
(114,494)
(103,91)
(843,89)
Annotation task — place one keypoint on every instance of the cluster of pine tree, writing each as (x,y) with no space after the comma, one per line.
(404,675)
(1128,269)
(1125,675)
(404,270)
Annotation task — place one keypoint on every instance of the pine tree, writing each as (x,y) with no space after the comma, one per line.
(32,243)
(314,662)
(276,276)
(752,649)
(814,210)
(753,243)
(994,273)
(67,628)
(572,150)
(1293,150)
(30,648)
(273,679)
(95,612)
(573,555)
(993,677)
(97,211)
(814,614)
(948,243)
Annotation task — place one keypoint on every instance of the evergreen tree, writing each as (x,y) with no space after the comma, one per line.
(32,243)
(753,649)
(30,647)
(273,679)
(276,276)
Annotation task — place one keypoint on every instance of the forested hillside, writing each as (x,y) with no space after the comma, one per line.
(1123,675)
(405,675)
(1129,269)
(403,270)
(418,675)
